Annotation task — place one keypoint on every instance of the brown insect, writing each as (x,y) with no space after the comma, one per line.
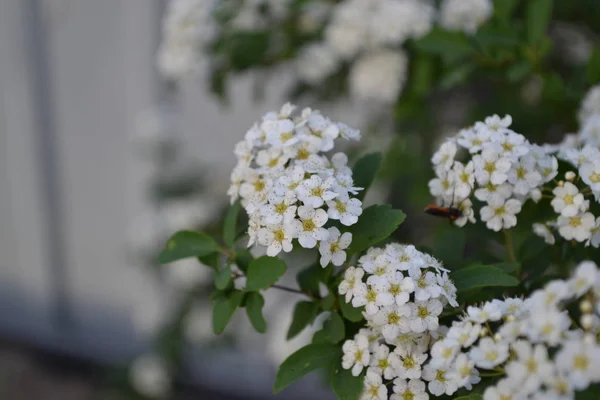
(452,213)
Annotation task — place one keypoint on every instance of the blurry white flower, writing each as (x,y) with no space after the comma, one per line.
(150,377)
(315,63)
(465,15)
(379,76)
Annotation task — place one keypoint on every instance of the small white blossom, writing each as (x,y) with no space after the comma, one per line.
(356,354)
(488,353)
(413,389)
(499,214)
(568,202)
(333,248)
(578,227)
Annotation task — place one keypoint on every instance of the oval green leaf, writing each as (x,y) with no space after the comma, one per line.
(477,276)
(185,244)
(344,385)
(364,172)
(303,361)
(223,309)
(264,272)
(304,314)
(375,224)
(254,306)
(334,328)
(230,224)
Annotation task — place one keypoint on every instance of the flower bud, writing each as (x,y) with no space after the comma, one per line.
(536,195)
(510,318)
(560,183)
(497,337)
(589,339)
(484,332)
(570,175)
(586,321)
(585,306)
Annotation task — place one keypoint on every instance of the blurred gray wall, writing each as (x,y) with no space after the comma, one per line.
(74,74)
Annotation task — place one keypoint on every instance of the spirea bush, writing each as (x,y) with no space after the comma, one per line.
(399,324)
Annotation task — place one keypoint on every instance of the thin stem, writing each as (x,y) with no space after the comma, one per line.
(508,243)
(235,276)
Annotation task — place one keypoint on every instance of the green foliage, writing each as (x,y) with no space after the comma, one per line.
(230,224)
(593,68)
(364,172)
(478,276)
(223,278)
(344,385)
(474,396)
(185,244)
(224,307)
(263,272)
(349,312)
(310,277)
(304,314)
(303,361)
(254,306)
(539,13)
(375,224)
(334,328)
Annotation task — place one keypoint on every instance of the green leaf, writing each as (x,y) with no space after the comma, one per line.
(243,258)
(230,224)
(518,71)
(538,14)
(477,276)
(422,70)
(320,337)
(304,314)
(364,172)
(456,76)
(344,385)
(185,244)
(350,312)
(303,361)
(211,260)
(503,9)
(509,268)
(375,224)
(254,306)
(248,49)
(264,272)
(223,309)
(328,301)
(309,278)
(449,45)
(334,328)
(223,278)
(593,68)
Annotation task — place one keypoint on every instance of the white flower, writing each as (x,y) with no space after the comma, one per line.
(512,145)
(150,377)
(426,284)
(439,383)
(590,174)
(594,240)
(314,192)
(424,315)
(465,333)
(374,387)
(400,287)
(585,277)
(407,364)
(276,238)
(310,229)
(392,321)
(578,227)
(524,175)
(568,202)
(443,353)
(413,389)
(448,289)
(544,232)
(315,62)
(379,76)
(463,372)
(488,354)
(444,158)
(474,139)
(547,326)
(279,209)
(380,362)
(531,367)
(500,215)
(345,209)
(465,15)
(590,104)
(491,167)
(332,249)
(504,390)
(496,192)
(578,361)
(489,312)
(356,354)
(352,283)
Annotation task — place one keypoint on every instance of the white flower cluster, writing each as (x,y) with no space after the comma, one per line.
(533,343)
(290,188)
(503,171)
(364,32)
(465,15)
(571,197)
(404,292)
(187,27)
